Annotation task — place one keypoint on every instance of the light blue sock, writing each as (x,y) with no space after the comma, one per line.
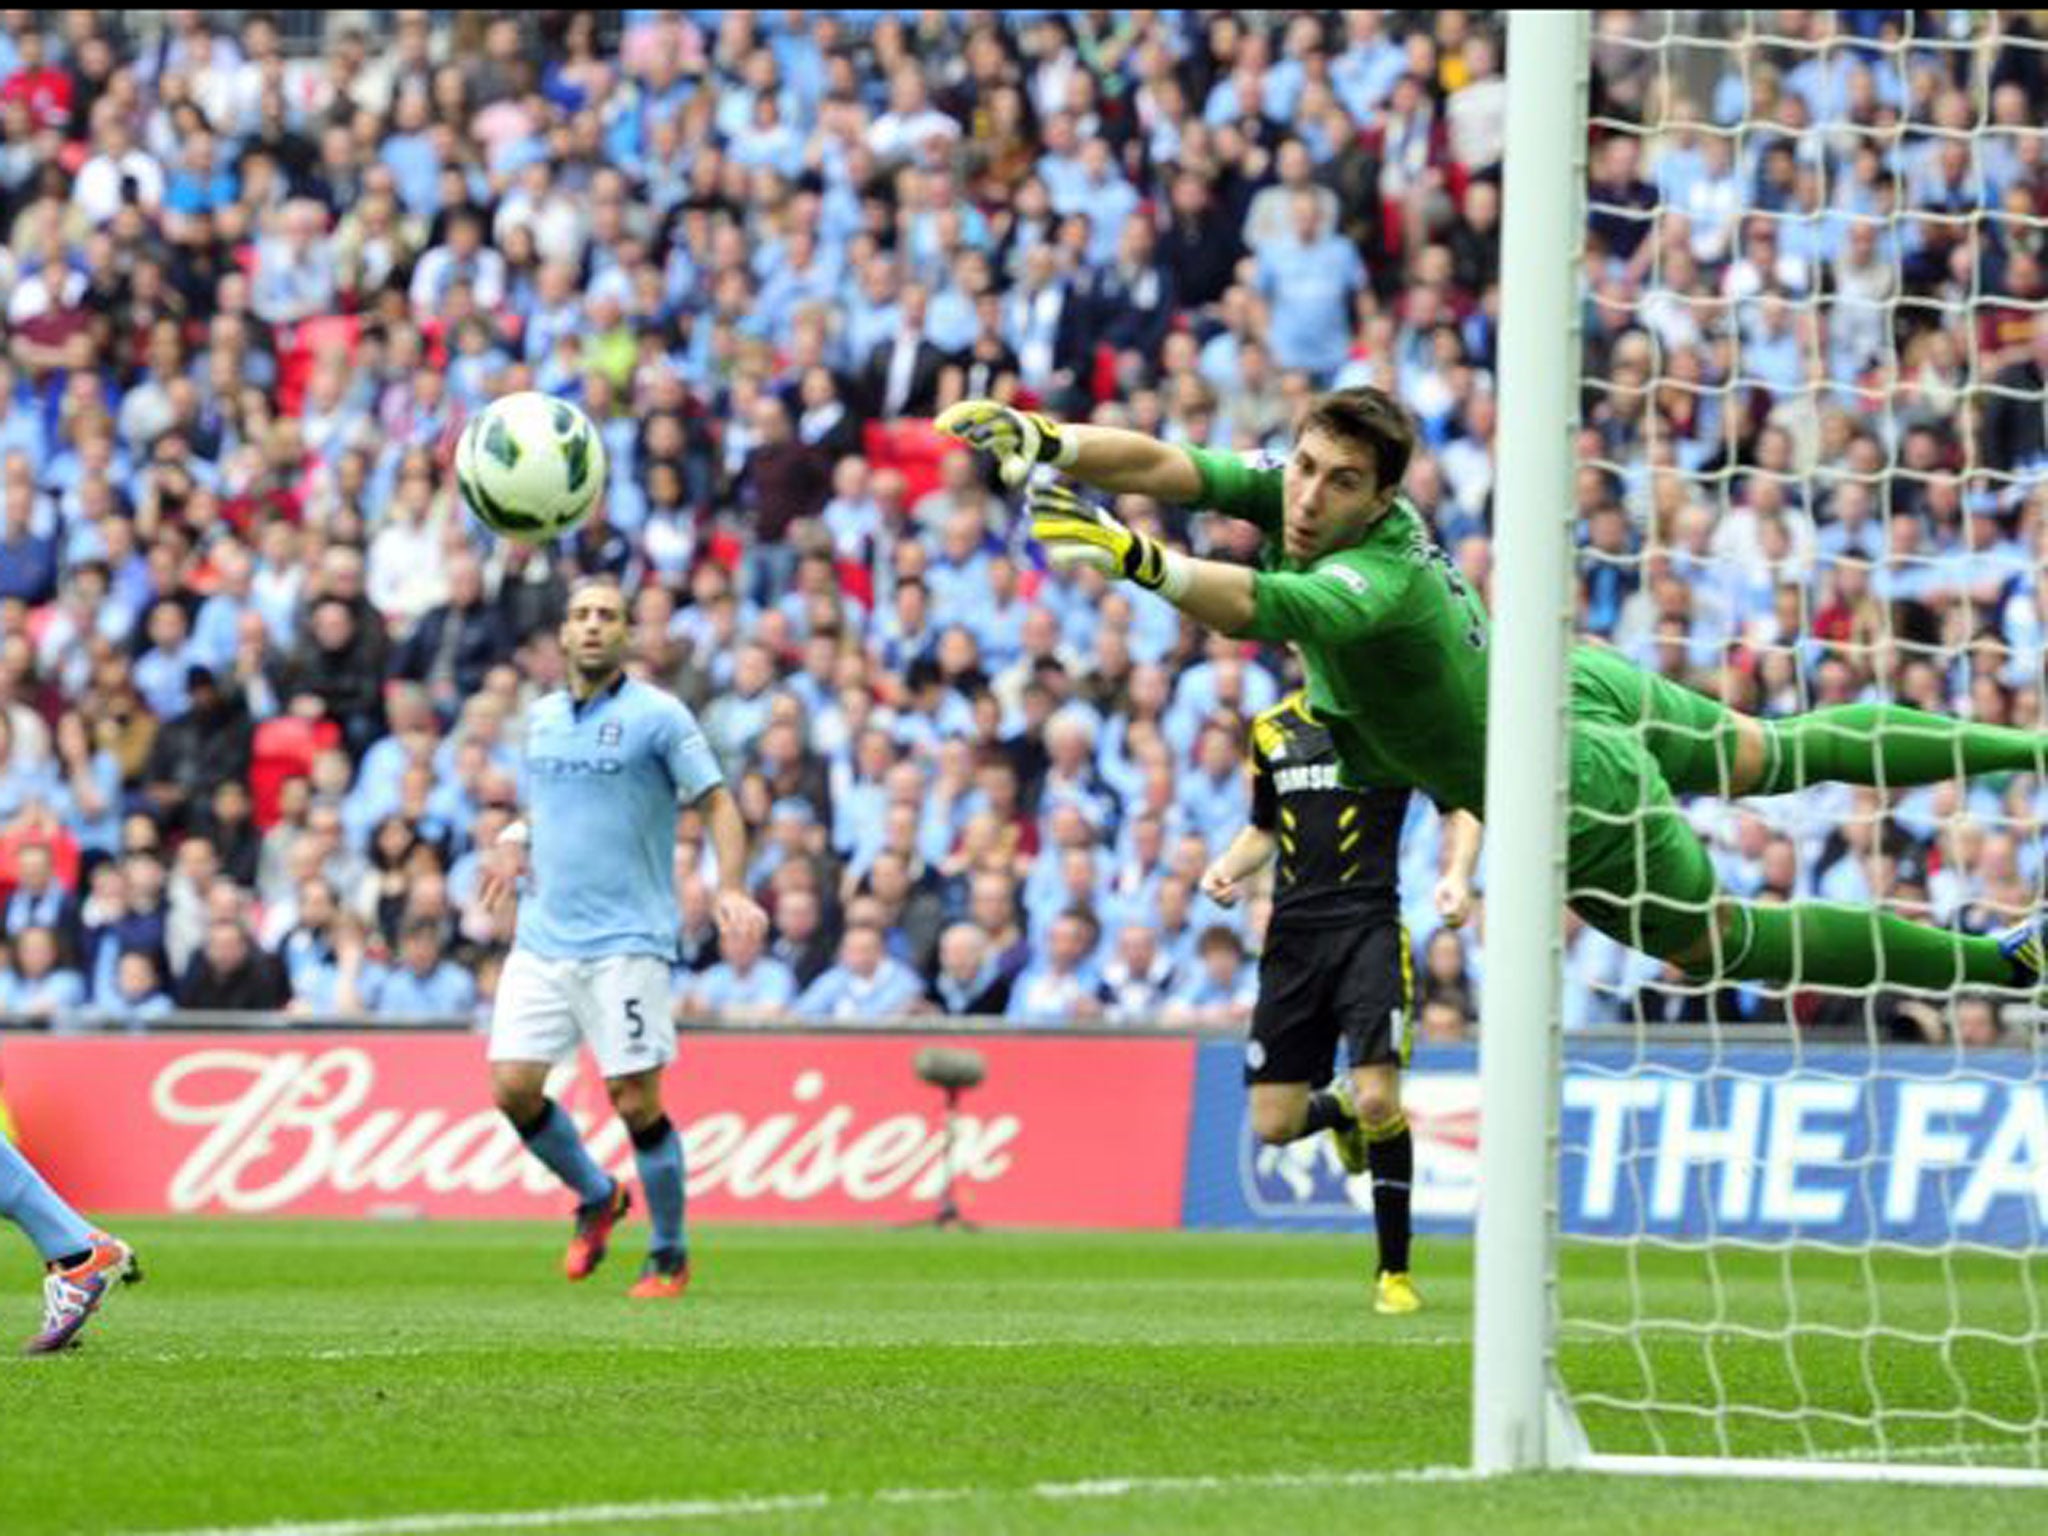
(659,1152)
(28,1201)
(555,1142)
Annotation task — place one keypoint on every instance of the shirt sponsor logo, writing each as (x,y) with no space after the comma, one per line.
(1291,781)
(574,767)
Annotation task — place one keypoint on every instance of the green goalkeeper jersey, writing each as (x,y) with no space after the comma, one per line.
(1393,637)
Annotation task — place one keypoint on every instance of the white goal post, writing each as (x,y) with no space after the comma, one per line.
(1519,1420)
(1731,1338)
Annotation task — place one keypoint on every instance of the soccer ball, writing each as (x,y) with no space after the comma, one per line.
(530,466)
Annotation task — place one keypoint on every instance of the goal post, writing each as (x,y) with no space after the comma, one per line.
(1516,1424)
(1786,1237)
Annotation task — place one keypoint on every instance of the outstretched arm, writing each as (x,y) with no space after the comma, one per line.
(1130,463)
(1333,603)
(1108,458)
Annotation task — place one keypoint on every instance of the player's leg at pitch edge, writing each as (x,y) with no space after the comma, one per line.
(73,1293)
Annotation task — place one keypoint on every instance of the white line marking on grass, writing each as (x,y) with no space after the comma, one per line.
(809,1503)
(1935,1450)
(703,1346)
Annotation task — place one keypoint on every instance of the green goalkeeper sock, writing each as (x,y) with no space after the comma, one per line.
(1889,744)
(1811,943)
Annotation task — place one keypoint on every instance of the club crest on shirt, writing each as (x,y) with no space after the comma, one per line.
(610,734)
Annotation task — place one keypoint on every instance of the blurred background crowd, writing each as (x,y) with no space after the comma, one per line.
(262,681)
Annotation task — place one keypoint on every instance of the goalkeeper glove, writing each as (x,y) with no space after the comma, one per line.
(1075,532)
(1017,439)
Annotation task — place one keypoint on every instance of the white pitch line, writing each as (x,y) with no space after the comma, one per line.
(1935,1451)
(810,1503)
(895,1345)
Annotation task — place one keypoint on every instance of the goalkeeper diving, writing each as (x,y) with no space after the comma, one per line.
(1394,642)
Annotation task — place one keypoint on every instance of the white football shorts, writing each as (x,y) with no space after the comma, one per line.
(619,1004)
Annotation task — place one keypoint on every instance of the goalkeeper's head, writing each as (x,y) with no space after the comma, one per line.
(1350,454)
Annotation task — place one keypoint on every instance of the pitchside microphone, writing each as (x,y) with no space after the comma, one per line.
(952,1070)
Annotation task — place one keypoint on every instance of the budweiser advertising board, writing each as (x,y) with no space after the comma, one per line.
(1067,1131)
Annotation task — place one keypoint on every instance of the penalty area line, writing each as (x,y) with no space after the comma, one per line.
(742,1506)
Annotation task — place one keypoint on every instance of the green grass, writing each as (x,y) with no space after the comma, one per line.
(299,1372)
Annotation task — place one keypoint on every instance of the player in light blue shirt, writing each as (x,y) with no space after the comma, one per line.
(610,761)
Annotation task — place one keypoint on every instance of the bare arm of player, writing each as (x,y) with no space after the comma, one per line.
(1218,595)
(1249,852)
(736,912)
(1132,464)
(1462,837)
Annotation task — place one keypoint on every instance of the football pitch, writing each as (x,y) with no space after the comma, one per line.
(379,1379)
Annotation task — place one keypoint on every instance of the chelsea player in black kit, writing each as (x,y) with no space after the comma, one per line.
(1336,964)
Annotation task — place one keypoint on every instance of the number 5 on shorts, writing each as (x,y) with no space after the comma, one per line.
(633,1017)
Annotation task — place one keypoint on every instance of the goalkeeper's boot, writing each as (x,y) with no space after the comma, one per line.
(2023,946)
(1354,1152)
(71,1296)
(594,1223)
(1393,1294)
(665,1276)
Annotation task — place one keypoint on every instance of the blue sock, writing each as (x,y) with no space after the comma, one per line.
(553,1139)
(659,1152)
(28,1201)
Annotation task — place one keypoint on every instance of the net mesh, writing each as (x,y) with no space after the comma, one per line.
(1814,469)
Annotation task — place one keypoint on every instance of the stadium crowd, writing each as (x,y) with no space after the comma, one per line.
(261,680)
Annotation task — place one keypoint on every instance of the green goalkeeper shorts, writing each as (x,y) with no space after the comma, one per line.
(1638,871)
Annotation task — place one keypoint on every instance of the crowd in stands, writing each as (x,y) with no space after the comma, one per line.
(262,681)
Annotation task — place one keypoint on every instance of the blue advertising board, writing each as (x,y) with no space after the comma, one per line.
(1916,1147)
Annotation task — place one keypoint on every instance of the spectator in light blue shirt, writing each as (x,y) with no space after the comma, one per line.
(745,986)
(295,267)
(866,983)
(1309,284)
(1213,795)
(138,995)
(795,274)
(1223,987)
(1104,197)
(427,984)
(162,675)
(411,155)
(214,633)
(1061,987)
(39,987)
(769,140)
(1364,74)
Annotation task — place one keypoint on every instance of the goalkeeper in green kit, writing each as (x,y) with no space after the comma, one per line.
(1395,645)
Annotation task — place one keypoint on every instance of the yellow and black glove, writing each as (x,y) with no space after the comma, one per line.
(1075,532)
(1017,439)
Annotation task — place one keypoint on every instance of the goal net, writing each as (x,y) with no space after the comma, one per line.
(1797,1229)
